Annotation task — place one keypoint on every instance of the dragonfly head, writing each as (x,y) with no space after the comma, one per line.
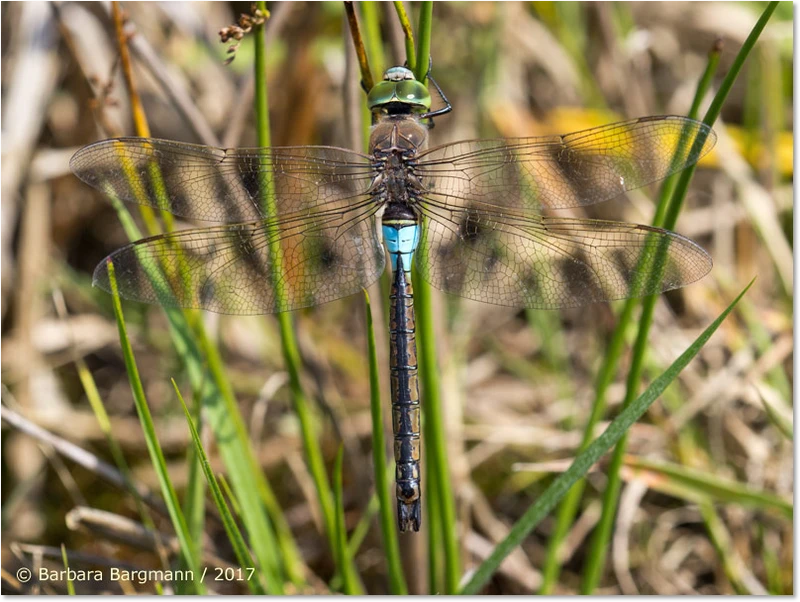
(399,92)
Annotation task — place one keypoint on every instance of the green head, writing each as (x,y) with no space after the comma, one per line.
(399,92)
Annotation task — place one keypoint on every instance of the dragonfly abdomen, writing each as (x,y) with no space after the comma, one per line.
(401,239)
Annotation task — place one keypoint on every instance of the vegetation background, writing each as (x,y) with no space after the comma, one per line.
(706,500)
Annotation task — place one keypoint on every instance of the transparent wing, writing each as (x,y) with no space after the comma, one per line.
(528,174)
(219,185)
(548,262)
(256,267)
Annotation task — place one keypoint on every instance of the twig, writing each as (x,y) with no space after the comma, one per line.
(78,455)
(139,118)
(355,33)
(176,93)
(74,556)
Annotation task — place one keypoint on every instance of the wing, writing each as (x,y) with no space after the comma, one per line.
(219,185)
(547,262)
(256,267)
(528,174)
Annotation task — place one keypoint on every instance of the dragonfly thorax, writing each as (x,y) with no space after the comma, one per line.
(398,133)
(394,144)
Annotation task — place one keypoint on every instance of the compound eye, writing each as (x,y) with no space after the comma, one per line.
(381,93)
(413,92)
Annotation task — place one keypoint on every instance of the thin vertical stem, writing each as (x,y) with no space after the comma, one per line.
(372,35)
(424,37)
(366,73)
(436,442)
(140,123)
(139,117)
(350,583)
(433,520)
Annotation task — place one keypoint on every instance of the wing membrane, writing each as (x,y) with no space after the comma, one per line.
(529,174)
(233,269)
(223,185)
(547,262)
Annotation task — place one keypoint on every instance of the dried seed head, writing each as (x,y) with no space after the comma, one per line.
(242,27)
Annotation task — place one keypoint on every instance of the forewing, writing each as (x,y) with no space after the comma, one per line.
(255,267)
(547,262)
(223,185)
(529,174)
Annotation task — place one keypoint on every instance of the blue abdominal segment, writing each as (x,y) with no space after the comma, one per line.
(401,239)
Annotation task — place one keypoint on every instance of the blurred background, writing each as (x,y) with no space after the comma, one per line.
(517,385)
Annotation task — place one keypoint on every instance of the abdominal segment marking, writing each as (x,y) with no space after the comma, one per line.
(401,238)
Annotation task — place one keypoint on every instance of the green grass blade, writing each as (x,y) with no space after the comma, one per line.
(234,535)
(289,553)
(361,529)
(226,489)
(732,562)
(350,583)
(391,548)
(188,550)
(785,426)
(714,55)
(424,40)
(714,111)
(373,507)
(695,485)
(70,584)
(367,81)
(370,17)
(308,432)
(589,456)
(435,539)
(599,542)
(194,503)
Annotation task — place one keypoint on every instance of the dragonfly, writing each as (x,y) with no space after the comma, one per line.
(304,225)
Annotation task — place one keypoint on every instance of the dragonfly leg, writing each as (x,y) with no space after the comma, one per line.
(447,108)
